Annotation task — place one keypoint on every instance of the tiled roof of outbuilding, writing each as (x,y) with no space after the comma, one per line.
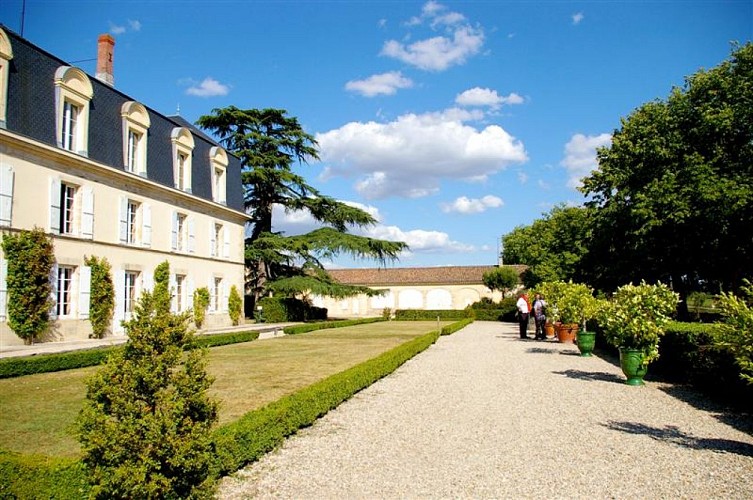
(447,275)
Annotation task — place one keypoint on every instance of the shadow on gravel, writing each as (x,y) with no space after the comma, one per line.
(673,434)
(598,376)
(541,350)
(741,421)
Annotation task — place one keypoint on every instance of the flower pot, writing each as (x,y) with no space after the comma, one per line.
(633,366)
(549,330)
(566,332)
(586,342)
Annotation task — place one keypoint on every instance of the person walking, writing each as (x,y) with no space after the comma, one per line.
(524,309)
(539,316)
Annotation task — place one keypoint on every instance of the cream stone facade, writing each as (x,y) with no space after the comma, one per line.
(141,209)
(426,288)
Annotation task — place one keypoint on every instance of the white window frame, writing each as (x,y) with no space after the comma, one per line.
(6,54)
(64,291)
(183,144)
(218,162)
(181,297)
(72,88)
(136,124)
(130,293)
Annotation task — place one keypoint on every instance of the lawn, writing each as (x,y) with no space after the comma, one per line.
(39,410)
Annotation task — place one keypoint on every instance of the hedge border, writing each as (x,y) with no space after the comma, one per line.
(46,363)
(323,325)
(431,315)
(236,444)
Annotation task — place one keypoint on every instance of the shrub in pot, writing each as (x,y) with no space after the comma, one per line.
(570,304)
(633,320)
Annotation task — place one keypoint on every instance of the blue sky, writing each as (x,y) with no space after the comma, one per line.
(452,122)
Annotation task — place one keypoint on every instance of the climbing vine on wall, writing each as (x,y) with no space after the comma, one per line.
(102,303)
(30,256)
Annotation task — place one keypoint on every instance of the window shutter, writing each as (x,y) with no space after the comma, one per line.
(123,220)
(210,287)
(3,289)
(6,195)
(173,295)
(189,292)
(119,300)
(226,245)
(191,236)
(54,291)
(84,291)
(174,245)
(212,239)
(225,295)
(54,205)
(87,212)
(147,281)
(146,227)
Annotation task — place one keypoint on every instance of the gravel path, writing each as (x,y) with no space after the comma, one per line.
(483,414)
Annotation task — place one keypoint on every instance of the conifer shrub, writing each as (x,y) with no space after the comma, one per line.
(102,298)
(145,424)
(30,257)
(234,305)
(200,304)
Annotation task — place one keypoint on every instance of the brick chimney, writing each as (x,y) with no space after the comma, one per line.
(105,51)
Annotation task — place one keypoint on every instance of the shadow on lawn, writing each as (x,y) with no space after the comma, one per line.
(672,434)
(596,376)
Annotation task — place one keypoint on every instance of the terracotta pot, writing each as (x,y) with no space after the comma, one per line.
(566,332)
(549,330)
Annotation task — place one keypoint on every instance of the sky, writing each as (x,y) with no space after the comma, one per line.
(451,122)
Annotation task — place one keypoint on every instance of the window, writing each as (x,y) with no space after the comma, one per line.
(183,145)
(131,216)
(216,295)
(219,241)
(6,195)
(71,209)
(183,239)
(6,54)
(135,221)
(180,293)
(218,162)
(135,125)
(129,293)
(73,92)
(67,197)
(64,287)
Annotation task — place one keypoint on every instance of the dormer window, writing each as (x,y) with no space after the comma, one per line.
(6,54)
(135,125)
(182,150)
(73,93)
(218,163)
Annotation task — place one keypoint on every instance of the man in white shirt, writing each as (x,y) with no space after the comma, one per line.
(523,311)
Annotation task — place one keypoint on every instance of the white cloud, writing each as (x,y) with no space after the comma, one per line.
(208,87)
(580,156)
(409,156)
(384,83)
(382,23)
(577,18)
(522,177)
(465,205)
(478,96)
(460,41)
(119,29)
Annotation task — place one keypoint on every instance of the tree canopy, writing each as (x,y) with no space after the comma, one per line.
(673,193)
(503,279)
(269,144)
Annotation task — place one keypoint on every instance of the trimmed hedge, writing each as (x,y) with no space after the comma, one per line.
(323,325)
(430,315)
(458,325)
(40,477)
(44,363)
(283,309)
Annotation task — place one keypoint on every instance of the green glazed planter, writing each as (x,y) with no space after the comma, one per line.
(586,341)
(631,362)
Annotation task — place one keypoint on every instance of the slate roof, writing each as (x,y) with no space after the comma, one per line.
(31,113)
(448,275)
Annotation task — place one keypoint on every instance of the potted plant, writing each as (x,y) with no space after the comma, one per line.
(633,320)
(570,304)
(589,309)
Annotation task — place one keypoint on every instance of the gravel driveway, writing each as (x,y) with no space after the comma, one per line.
(483,414)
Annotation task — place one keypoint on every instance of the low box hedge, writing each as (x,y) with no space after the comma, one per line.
(44,363)
(430,315)
(323,325)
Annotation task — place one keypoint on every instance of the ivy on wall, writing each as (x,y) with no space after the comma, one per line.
(30,256)
(102,303)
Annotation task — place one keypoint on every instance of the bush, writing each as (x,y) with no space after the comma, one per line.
(458,325)
(145,424)
(102,298)
(234,304)
(736,332)
(430,315)
(283,309)
(310,327)
(200,304)
(40,477)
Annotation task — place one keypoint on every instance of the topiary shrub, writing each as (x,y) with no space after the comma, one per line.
(102,301)
(234,305)
(30,258)
(200,304)
(145,425)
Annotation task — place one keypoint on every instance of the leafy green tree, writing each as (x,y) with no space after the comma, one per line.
(552,247)
(200,304)
(269,144)
(30,257)
(145,425)
(674,192)
(503,279)
(736,333)
(102,295)
(234,305)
